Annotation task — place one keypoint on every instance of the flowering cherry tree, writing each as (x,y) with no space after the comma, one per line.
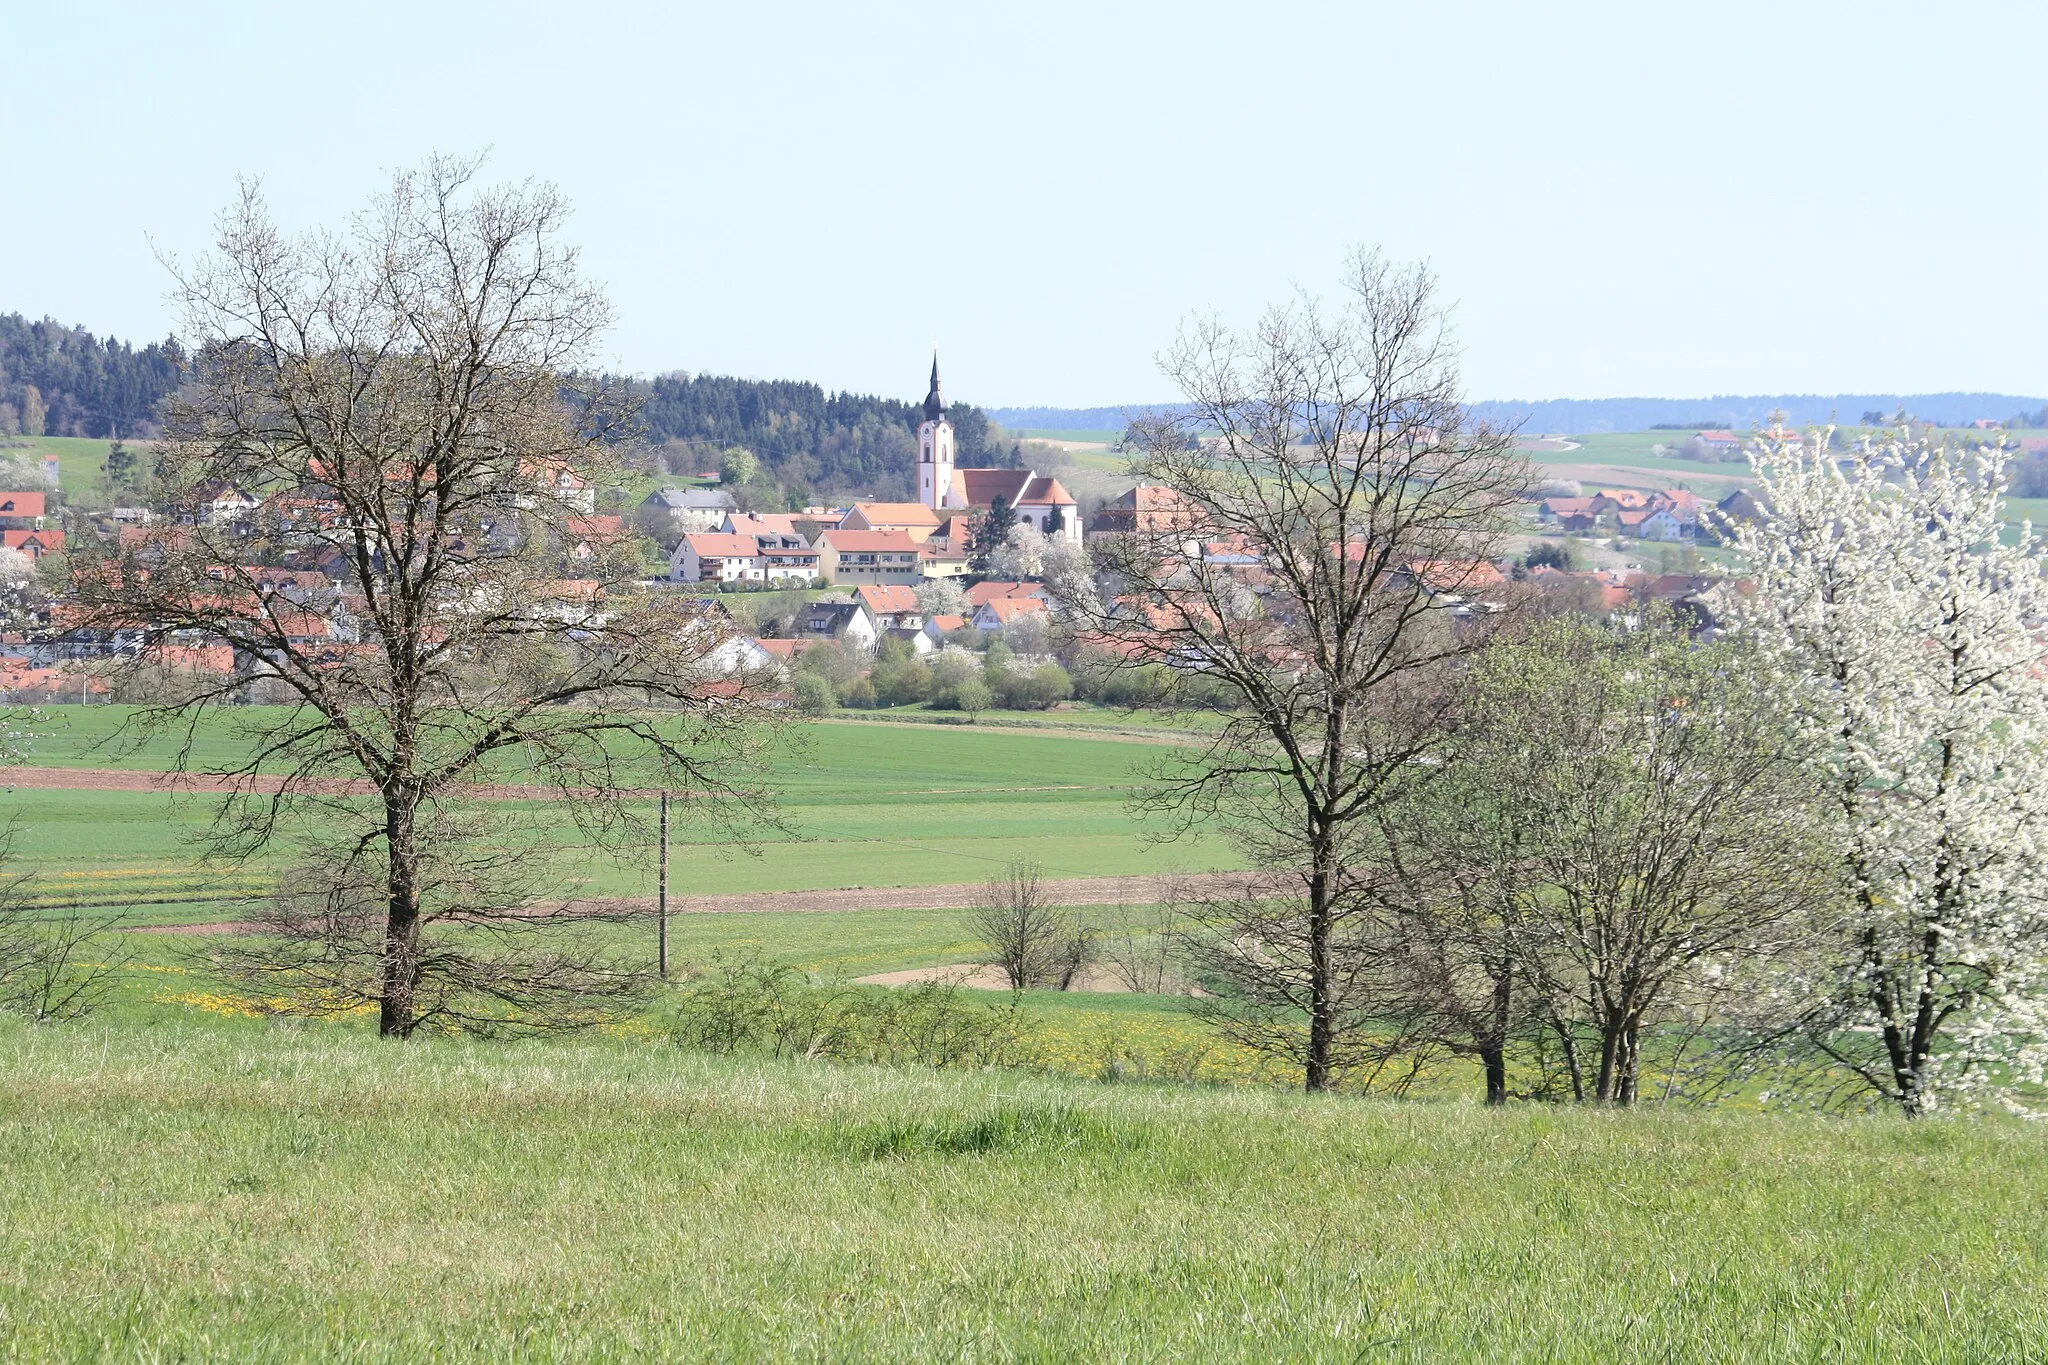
(1912,632)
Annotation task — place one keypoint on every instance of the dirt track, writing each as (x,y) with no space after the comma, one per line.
(134,780)
(946,896)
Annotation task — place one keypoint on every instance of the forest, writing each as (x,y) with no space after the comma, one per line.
(64,381)
(806,438)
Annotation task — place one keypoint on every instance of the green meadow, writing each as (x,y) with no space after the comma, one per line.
(222,1190)
(81,460)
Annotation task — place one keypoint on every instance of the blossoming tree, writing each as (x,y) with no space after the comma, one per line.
(1909,622)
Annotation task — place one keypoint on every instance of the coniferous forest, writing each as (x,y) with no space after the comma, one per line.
(64,381)
(805,437)
(58,380)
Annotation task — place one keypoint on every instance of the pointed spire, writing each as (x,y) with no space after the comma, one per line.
(934,406)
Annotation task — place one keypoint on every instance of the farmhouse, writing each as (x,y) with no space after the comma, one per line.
(1714,446)
(1570,514)
(697,509)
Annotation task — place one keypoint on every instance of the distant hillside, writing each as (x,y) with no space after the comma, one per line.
(1075,419)
(1588,415)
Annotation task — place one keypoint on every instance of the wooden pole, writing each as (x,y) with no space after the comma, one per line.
(662,896)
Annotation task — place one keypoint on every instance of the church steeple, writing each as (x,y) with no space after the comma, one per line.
(935,449)
(934,406)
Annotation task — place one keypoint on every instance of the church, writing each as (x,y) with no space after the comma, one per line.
(1037,499)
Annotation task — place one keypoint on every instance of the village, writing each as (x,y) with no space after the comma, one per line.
(969,564)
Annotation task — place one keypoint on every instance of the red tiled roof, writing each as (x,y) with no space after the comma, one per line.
(866,542)
(989,591)
(721,545)
(889,599)
(1006,608)
(21,504)
(46,542)
(882,514)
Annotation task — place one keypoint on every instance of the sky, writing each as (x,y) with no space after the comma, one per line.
(1628,199)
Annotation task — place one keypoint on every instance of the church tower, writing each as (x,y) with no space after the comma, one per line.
(935,449)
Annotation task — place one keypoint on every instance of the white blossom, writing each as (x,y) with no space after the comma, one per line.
(1888,591)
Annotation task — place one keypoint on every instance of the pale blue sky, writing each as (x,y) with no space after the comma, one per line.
(1641,198)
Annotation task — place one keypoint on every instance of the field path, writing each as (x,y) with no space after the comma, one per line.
(941,896)
(148,780)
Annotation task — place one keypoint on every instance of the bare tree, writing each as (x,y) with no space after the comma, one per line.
(1034,940)
(1145,947)
(56,961)
(1320,539)
(375,469)
(1620,828)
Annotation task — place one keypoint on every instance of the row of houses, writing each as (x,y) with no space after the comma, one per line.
(1666,514)
(881,543)
(875,612)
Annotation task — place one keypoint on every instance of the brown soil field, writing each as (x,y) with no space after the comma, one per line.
(943,896)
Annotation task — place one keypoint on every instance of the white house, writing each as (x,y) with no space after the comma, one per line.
(717,557)
(1661,525)
(847,621)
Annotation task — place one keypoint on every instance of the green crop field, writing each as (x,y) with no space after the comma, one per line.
(221,1190)
(864,804)
(1050,434)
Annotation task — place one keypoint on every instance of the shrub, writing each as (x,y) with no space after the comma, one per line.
(1039,690)
(860,693)
(812,695)
(748,1004)
(972,696)
(897,681)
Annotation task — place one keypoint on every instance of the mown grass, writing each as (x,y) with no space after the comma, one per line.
(257,1193)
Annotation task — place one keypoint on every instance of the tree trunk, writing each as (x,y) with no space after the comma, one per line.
(1316,1075)
(1495,1059)
(1570,1046)
(1620,1048)
(1493,1051)
(401,966)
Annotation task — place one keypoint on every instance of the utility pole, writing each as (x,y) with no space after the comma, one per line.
(661,896)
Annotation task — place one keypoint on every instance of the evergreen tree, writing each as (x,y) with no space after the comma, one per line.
(993,533)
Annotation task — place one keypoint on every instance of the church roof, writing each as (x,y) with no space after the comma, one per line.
(1018,487)
(891,516)
(934,406)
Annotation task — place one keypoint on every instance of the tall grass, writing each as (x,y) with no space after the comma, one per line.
(236,1190)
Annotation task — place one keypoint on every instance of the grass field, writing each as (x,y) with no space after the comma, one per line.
(240,1191)
(81,461)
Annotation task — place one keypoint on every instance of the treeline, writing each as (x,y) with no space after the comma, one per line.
(64,381)
(805,437)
